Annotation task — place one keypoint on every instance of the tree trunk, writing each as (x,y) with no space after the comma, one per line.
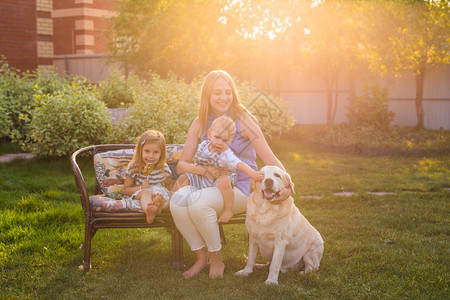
(329,102)
(336,92)
(352,90)
(419,97)
(272,85)
(277,87)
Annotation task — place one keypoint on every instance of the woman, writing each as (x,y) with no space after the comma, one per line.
(195,211)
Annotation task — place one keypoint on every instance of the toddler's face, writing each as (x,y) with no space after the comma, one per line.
(219,139)
(151,153)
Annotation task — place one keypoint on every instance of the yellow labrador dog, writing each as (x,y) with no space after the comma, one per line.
(277,228)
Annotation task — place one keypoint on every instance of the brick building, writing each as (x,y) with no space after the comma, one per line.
(32,32)
(26,33)
(80,26)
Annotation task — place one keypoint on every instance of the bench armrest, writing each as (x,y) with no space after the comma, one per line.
(79,180)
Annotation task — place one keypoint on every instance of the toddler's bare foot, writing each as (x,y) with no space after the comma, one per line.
(150,211)
(217,266)
(225,217)
(198,266)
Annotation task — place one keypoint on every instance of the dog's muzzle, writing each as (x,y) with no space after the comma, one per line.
(268,191)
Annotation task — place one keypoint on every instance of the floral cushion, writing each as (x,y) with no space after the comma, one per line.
(102,203)
(110,168)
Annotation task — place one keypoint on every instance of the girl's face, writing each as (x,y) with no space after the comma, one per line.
(221,97)
(219,139)
(151,153)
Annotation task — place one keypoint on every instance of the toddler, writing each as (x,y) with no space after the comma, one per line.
(215,152)
(147,172)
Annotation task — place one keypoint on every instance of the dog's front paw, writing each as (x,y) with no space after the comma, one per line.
(271,281)
(244,272)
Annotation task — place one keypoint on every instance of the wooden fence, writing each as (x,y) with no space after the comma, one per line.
(95,67)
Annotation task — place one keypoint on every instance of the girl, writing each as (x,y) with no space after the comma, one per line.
(147,172)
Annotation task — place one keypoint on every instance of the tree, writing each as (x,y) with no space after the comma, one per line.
(187,38)
(163,36)
(267,49)
(419,42)
(334,46)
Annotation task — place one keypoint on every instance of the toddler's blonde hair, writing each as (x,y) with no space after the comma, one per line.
(225,124)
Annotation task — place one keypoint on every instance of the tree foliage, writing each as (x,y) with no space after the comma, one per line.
(333,47)
(422,42)
(267,40)
(190,37)
(415,36)
(163,36)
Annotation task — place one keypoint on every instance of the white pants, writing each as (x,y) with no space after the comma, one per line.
(195,213)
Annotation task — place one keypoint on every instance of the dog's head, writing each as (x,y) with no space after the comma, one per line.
(274,181)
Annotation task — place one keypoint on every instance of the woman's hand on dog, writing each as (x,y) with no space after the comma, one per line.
(283,194)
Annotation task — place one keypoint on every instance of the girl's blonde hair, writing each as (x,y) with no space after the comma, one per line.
(149,137)
(226,124)
(236,108)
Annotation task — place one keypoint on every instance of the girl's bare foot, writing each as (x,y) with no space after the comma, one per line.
(158,200)
(199,265)
(150,211)
(217,266)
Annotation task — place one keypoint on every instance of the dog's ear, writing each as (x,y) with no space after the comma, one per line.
(289,181)
(252,186)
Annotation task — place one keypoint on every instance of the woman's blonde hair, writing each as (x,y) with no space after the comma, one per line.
(149,137)
(236,108)
(226,124)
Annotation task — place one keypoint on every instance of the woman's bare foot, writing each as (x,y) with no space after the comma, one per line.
(150,211)
(217,266)
(199,265)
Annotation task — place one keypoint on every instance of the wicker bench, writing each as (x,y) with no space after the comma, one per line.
(95,219)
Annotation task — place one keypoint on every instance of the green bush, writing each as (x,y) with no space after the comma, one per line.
(16,101)
(117,91)
(47,81)
(17,97)
(5,121)
(370,110)
(68,120)
(168,105)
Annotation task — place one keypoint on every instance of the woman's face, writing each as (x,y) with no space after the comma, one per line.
(221,97)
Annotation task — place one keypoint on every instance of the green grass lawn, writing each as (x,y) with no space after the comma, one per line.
(391,246)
